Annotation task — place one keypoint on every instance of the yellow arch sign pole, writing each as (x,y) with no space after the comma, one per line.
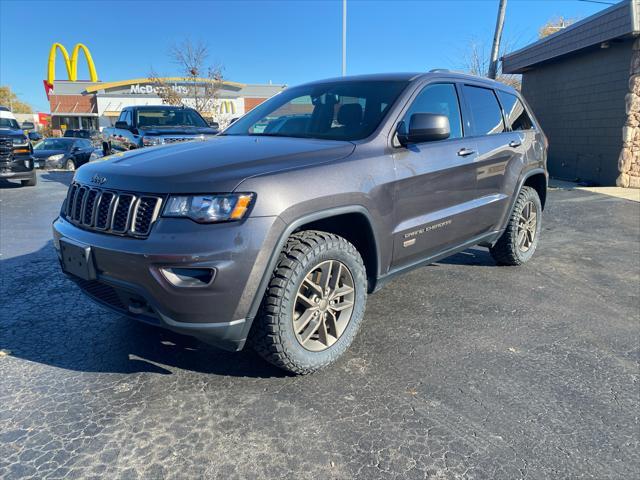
(70,64)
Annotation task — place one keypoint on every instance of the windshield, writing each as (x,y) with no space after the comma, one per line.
(165,117)
(348,110)
(9,123)
(54,144)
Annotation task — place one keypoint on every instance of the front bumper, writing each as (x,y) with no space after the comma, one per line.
(129,278)
(17,168)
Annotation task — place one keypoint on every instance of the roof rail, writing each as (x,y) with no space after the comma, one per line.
(439,70)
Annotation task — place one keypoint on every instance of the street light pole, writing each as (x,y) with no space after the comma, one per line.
(344,37)
(495,49)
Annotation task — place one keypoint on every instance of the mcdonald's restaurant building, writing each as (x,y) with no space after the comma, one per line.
(95,105)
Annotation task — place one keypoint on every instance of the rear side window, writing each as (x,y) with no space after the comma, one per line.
(438,98)
(485,110)
(517,116)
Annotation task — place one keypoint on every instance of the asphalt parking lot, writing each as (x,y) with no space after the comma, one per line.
(462,370)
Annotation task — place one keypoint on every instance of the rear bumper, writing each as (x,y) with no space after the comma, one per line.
(129,278)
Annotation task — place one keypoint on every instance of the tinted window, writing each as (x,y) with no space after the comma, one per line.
(123,115)
(9,123)
(83,144)
(169,117)
(344,110)
(517,116)
(440,98)
(54,144)
(487,117)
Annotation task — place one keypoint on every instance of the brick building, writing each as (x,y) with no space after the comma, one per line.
(583,85)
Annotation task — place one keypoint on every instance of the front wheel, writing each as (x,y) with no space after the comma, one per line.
(314,304)
(32,182)
(70,166)
(520,239)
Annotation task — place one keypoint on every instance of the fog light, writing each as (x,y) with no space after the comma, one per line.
(189,277)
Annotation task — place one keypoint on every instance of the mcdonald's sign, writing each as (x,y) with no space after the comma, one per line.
(70,63)
(227,106)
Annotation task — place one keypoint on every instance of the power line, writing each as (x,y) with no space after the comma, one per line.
(603,2)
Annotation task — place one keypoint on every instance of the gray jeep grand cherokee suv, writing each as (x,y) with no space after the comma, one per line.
(275,231)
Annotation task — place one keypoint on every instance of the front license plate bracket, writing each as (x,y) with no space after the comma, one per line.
(77,259)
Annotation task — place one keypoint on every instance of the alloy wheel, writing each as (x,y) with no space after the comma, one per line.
(527,226)
(323,305)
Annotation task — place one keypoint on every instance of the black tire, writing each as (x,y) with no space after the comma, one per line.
(507,251)
(272,334)
(106,149)
(70,166)
(32,182)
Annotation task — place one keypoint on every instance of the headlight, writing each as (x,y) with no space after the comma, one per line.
(54,158)
(209,208)
(21,141)
(151,141)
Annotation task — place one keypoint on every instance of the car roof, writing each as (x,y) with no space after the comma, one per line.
(415,76)
(157,107)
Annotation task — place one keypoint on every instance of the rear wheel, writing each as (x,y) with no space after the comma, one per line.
(520,239)
(314,304)
(106,149)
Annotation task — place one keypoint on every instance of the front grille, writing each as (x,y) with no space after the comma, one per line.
(6,147)
(178,139)
(110,211)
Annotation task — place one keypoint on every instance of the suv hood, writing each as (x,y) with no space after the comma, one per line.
(214,166)
(8,132)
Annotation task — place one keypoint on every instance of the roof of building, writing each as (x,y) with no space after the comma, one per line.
(122,83)
(618,21)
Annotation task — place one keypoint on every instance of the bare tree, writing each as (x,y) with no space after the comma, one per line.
(477,61)
(165,90)
(554,25)
(202,82)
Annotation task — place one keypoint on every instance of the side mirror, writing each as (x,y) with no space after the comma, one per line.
(34,136)
(233,120)
(424,127)
(122,125)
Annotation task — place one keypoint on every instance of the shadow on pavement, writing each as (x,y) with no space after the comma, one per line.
(7,184)
(56,325)
(473,257)
(57,176)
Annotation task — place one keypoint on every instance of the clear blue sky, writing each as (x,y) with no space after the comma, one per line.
(259,41)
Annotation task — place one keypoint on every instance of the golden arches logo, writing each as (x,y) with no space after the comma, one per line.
(227,106)
(70,63)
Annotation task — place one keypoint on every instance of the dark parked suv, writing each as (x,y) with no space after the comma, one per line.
(275,236)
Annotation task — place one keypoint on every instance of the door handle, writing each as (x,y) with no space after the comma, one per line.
(463,152)
(515,143)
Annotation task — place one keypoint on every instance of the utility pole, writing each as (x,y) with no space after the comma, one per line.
(344,37)
(495,49)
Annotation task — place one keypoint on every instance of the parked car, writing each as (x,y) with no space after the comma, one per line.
(64,153)
(93,135)
(28,127)
(147,126)
(275,237)
(16,161)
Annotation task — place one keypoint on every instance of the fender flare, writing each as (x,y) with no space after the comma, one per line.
(286,233)
(528,174)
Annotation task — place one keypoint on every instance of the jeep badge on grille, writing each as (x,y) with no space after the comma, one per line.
(97,179)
